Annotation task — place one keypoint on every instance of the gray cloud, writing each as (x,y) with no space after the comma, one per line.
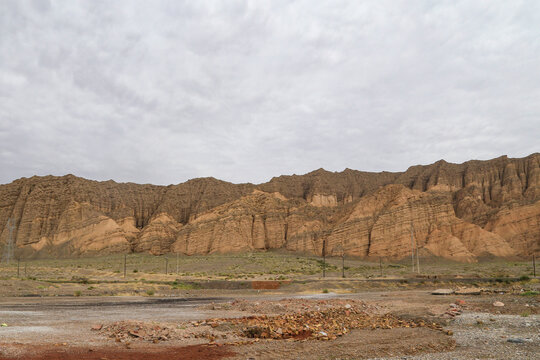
(165,91)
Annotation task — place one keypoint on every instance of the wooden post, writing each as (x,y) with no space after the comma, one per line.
(18,266)
(166,266)
(343,264)
(412,247)
(380,265)
(324,257)
(417,257)
(176,263)
(25,269)
(534,266)
(125,260)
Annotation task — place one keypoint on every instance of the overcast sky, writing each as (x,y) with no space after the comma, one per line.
(165,91)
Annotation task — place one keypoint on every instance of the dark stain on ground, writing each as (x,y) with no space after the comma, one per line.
(97,303)
(192,352)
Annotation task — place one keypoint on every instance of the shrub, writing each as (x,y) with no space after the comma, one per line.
(150,292)
(77,293)
(530,293)
(80,279)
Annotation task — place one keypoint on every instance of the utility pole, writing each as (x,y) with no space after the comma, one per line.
(166,265)
(380,265)
(8,252)
(343,264)
(18,266)
(534,266)
(324,257)
(417,257)
(412,247)
(177,263)
(125,258)
(339,250)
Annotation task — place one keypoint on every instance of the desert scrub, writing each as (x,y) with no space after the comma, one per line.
(530,293)
(150,292)
(185,286)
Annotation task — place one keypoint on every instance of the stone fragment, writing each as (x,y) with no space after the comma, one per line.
(442,292)
(469,291)
(518,340)
(498,304)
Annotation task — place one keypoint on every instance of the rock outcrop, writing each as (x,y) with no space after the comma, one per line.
(456,211)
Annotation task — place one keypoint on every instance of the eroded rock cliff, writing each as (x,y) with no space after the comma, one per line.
(456,211)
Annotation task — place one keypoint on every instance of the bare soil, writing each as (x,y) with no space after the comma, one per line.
(48,352)
(61,328)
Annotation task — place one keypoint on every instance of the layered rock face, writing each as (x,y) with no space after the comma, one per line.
(456,211)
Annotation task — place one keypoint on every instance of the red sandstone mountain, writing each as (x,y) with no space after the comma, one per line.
(457,211)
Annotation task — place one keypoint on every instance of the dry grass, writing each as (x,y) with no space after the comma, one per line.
(105,275)
(260,265)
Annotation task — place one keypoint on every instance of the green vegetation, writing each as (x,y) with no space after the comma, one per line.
(530,293)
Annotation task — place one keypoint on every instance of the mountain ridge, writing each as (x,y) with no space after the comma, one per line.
(497,200)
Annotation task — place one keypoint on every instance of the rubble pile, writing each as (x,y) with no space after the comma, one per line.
(454,309)
(324,321)
(324,325)
(122,331)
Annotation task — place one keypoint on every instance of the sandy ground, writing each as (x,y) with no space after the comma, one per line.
(61,328)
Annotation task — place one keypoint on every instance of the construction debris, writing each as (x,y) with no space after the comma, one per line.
(323,325)
(326,322)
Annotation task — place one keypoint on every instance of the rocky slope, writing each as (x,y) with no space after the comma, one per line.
(457,211)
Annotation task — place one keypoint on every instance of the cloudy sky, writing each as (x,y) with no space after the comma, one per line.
(165,91)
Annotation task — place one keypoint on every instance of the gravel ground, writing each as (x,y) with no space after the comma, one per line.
(482,331)
(485,336)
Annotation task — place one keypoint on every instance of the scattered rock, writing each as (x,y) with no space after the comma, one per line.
(443,292)
(498,304)
(518,340)
(335,322)
(97,327)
